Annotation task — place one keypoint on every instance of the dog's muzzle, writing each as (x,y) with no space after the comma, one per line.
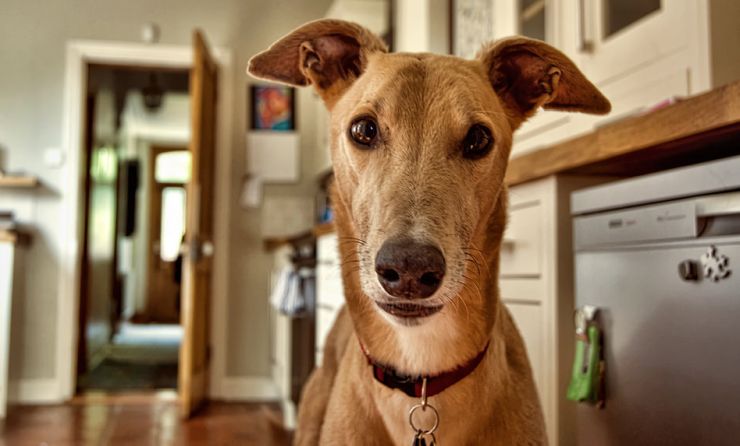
(408,269)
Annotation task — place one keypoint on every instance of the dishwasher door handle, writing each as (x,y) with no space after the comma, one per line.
(688,270)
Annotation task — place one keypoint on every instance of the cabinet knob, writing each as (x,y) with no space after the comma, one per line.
(688,270)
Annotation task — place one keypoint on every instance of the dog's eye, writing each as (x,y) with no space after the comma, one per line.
(477,142)
(364,131)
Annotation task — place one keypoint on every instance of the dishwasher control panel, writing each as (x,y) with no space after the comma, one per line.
(648,223)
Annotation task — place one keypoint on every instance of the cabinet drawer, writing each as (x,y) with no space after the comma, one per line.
(523,290)
(528,319)
(521,251)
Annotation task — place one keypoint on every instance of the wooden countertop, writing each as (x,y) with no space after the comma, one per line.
(693,130)
(272,243)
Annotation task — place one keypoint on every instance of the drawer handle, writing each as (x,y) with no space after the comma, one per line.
(508,243)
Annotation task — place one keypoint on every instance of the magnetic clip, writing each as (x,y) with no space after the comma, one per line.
(584,316)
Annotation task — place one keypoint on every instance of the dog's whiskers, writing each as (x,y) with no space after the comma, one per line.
(455,303)
(478,254)
(471,259)
(352,240)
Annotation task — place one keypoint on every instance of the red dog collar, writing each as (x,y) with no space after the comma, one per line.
(411,385)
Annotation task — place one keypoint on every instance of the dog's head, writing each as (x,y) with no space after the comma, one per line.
(420,144)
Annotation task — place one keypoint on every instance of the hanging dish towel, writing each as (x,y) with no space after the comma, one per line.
(587,378)
(286,296)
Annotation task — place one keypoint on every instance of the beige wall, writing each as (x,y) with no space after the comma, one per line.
(32,51)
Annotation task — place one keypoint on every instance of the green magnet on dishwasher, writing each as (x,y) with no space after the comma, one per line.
(587,379)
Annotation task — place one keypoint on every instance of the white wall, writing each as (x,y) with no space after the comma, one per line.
(422,26)
(33,36)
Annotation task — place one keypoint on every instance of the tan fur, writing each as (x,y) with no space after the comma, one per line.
(415,182)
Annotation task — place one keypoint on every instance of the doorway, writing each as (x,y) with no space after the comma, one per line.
(137,132)
(201,360)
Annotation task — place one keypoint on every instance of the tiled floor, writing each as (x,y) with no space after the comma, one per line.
(138,419)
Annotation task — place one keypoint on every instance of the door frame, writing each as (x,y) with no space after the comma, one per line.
(79,54)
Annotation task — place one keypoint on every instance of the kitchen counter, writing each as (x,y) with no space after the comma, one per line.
(272,243)
(693,130)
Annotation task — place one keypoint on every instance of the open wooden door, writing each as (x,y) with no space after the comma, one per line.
(198,257)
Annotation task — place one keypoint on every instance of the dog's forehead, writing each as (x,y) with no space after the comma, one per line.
(416,69)
(410,88)
(413,86)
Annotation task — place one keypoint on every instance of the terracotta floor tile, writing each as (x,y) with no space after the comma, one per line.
(136,420)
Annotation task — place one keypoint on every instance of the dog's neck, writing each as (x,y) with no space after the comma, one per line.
(435,346)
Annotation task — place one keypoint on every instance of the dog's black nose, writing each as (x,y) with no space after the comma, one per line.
(409,269)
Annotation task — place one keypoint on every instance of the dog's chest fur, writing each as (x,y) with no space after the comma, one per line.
(484,408)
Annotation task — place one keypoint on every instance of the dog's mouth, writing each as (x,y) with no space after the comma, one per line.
(408,310)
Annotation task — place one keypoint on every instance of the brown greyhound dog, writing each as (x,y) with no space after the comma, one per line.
(419,145)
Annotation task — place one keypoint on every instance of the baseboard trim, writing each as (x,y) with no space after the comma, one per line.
(34,391)
(247,388)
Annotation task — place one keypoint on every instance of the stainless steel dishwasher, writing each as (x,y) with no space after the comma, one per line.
(660,257)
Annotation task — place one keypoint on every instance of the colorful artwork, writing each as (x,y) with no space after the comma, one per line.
(273,108)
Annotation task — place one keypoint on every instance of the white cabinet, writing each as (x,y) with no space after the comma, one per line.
(7,252)
(329,291)
(536,285)
(529,318)
(538,19)
(521,251)
(638,52)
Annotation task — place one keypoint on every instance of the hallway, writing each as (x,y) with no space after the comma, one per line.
(138,419)
(139,357)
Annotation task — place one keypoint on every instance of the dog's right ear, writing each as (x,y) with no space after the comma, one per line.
(330,54)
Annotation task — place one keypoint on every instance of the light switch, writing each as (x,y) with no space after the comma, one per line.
(53,157)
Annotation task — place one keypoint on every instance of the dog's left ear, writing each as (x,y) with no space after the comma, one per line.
(527,74)
(330,54)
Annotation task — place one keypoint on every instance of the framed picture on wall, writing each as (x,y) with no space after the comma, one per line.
(471,25)
(272,107)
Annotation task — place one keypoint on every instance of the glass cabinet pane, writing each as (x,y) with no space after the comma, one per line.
(532,18)
(619,14)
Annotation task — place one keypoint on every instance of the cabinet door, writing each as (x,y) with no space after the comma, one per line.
(528,318)
(538,19)
(521,250)
(618,36)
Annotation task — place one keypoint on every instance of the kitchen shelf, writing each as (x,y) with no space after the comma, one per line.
(18,182)
(15,237)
